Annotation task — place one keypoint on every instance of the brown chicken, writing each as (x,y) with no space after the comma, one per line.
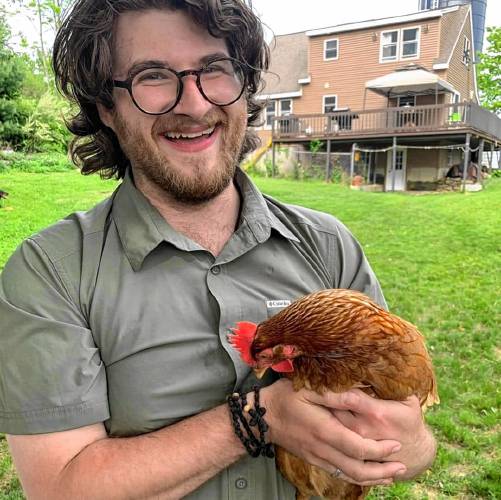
(337,340)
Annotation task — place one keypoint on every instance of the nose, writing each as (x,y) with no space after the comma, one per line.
(192,102)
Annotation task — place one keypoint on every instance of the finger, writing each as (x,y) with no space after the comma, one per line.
(339,437)
(354,400)
(357,471)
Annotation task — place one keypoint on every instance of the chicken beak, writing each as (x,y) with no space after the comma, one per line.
(260,372)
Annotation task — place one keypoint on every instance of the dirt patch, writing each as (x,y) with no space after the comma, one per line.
(460,470)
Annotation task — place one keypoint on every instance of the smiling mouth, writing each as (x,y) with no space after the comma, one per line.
(185,136)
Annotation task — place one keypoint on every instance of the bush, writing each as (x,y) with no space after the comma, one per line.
(45,129)
(35,163)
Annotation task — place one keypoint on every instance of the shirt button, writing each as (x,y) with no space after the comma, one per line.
(215,270)
(241,483)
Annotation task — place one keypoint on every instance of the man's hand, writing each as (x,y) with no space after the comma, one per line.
(303,423)
(400,420)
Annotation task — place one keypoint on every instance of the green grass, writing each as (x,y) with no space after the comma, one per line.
(438,257)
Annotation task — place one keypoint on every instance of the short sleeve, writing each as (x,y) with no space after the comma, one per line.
(52,377)
(354,271)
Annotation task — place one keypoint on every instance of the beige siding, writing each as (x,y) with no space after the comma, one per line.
(358,62)
(458,74)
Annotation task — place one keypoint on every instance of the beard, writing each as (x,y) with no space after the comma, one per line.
(191,183)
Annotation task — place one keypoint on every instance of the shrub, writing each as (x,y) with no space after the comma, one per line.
(45,129)
(35,163)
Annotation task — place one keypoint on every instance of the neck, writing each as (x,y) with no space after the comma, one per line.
(210,224)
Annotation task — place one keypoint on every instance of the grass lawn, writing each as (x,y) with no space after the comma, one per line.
(438,258)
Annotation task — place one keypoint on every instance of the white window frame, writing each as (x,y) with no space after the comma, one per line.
(466,46)
(323,102)
(280,107)
(381,59)
(399,98)
(337,49)
(400,45)
(274,102)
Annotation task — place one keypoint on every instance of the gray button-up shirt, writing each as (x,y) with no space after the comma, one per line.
(112,316)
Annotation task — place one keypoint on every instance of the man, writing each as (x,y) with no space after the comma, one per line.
(115,362)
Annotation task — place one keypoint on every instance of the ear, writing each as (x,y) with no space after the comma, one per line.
(106,115)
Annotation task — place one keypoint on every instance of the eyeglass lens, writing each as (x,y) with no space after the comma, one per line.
(155,89)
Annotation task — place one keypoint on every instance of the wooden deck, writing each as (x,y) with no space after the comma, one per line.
(403,121)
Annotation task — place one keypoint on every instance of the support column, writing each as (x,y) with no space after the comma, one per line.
(375,167)
(328,169)
(393,163)
(491,159)
(273,159)
(352,162)
(480,179)
(466,160)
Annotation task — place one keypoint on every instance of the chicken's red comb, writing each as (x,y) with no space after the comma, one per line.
(242,339)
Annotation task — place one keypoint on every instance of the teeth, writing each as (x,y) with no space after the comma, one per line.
(180,135)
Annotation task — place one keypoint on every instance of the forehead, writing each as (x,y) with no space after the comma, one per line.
(163,35)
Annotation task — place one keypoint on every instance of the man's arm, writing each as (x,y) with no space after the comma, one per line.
(173,461)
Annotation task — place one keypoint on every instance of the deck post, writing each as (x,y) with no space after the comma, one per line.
(466,160)
(393,163)
(352,162)
(375,167)
(491,158)
(480,179)
(273,159)
(328,170)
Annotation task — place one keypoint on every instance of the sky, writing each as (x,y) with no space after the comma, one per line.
(289,16)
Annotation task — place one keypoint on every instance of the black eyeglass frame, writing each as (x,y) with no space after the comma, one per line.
(127,84)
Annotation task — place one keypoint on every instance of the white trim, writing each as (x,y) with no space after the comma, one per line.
(302,81)
(374,23)
(405,97)
(418,54)
(280,95)
(397,43)
(323,102)
(400,44)
(280,107)
(441,66)
(459,33)
(337,49)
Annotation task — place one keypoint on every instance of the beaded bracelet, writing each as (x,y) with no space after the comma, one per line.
(238,406)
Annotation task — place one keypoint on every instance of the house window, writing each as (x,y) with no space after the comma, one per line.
(330,103)
(331,49)
(408,100)
(270,112)
(400,44)
(410,43)
(285,107)
(429,4)
(389,45)
(466,51)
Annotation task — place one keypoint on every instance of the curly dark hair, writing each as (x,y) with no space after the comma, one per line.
(82,61)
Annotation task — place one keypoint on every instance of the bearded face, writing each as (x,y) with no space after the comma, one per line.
(192,151)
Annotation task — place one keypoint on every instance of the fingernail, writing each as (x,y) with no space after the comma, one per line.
(397,448)
(400,472)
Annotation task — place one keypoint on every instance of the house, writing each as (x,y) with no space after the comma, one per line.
(398,94)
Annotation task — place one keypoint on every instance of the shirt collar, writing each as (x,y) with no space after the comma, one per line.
(141,228)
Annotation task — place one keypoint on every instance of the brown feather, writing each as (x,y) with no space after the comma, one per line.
(345,340)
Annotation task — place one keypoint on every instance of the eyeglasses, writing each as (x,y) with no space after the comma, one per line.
(157,89)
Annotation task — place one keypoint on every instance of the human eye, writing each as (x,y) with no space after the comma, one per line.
(154,76)
(217,68)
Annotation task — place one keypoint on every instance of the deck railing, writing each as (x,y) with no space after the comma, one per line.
(401,120)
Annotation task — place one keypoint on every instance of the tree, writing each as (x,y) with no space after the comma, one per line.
(46,16)
(12,114)
(489,71)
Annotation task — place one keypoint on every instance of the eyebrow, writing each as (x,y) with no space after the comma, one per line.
(139,66)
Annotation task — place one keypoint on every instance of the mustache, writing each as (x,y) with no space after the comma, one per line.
(178,123)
